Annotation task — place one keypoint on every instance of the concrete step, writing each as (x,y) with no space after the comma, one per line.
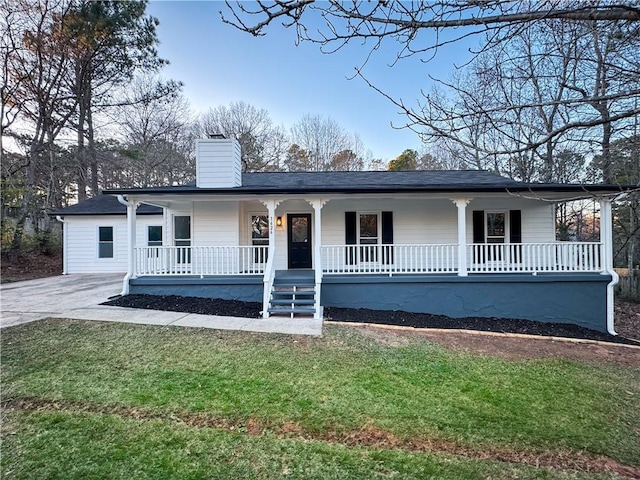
(293,291)
(297,310)
(294,283)
(292,301)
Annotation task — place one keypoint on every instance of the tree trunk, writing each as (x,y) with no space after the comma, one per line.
(93,157)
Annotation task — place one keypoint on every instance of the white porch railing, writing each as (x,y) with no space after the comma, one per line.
(232,260)
(535,257)
(389,259)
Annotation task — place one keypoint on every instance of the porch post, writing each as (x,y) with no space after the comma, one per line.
(606,240)
(462,203)
(131,236)
(131,205)
(271,209)
(271,251)
(317,252)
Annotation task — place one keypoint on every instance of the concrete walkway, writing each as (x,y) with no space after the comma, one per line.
(79,297)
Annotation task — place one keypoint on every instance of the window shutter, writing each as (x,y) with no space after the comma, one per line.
(515,222)
(350,235)
(478,226)
(387,237)
(387,227)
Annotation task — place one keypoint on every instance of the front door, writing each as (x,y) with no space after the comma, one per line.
(299,237)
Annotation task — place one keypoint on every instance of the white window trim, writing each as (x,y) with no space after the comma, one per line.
(113,243)
(507,226)
(163,234)
(379,224)
(173,228)
(249,223)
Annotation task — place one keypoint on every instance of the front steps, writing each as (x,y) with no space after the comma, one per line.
(293,293)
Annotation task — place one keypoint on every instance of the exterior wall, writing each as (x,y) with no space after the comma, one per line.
(420,221)
(215,223)
(573,298)
(245,289)
(435,221)
(82,241)
(218,163)
(289,206)
(538,218)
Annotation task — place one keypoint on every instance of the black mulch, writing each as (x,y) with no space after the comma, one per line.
(234,308)
(175,303)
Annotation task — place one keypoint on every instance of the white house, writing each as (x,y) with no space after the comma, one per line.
(456,243)
(95,234)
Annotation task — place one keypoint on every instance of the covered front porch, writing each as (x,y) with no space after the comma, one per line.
(234,247)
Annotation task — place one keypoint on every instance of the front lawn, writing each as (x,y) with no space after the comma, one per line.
(102,400)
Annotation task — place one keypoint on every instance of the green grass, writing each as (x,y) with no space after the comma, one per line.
(326,387)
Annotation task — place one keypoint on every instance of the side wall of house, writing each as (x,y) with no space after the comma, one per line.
(82,241)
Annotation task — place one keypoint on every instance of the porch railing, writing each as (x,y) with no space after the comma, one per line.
(223,260)
(389,259)
(535,257)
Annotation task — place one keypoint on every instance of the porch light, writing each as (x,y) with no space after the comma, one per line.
(278,221)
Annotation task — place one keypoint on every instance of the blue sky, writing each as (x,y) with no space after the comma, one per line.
(219,65)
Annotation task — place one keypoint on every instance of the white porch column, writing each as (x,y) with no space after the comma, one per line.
(317,250)
(267,280)
(317,253)
(271,209)
(462,203)
(606,239)
(131,205)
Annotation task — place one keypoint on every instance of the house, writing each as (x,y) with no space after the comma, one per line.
(455,243)
(94,234)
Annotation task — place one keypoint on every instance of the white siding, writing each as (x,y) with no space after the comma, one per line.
(414,221)
(218,163)
(538,222)
(215,223)
(82,241)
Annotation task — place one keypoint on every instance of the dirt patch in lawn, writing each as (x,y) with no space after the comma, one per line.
(367,436)
(29,266)
(509,347)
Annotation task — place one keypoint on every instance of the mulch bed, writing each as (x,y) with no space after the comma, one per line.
(234,308)
(203,306)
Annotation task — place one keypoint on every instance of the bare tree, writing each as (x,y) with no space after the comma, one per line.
(421,28)
(157,138)
(262,143)
(322,138)
(38,68)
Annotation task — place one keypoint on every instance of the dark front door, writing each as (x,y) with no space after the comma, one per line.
(299,237)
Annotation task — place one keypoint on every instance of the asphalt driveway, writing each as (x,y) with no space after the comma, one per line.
(22,302)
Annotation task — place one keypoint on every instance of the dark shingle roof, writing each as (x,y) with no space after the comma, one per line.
(373,182)
(104,205)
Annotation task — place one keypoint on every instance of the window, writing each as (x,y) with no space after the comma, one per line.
(105,242)
(368,236)
(182,237)
(154,235)
(182,230)
(496,227)
(260,236)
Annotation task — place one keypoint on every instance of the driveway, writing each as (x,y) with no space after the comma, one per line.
(79,297)
(31,300)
